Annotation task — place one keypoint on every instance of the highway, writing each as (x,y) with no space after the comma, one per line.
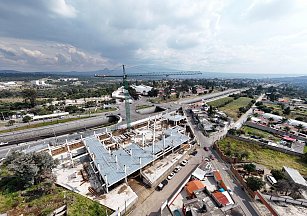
(59,133)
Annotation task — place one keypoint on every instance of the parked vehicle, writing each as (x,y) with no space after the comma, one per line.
(211,157)
(162,184)
(194,153)
(206,148)
(177,213)
(183,163)
(171,176)
(271,179)
(177,169)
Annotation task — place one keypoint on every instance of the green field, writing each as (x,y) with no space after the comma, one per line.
(42,124)
(220,102)
(260,133)
(232,109)
(270,158)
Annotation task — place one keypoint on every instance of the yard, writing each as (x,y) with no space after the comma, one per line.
(260,133)
(270,158)
(232,109)
(27,203)
(220,102)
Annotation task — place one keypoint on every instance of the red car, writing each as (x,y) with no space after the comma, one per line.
(206,148)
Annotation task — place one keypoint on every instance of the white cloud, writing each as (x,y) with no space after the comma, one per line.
(263,36)
(62,8)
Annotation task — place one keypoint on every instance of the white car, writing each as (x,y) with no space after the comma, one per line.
(171,176)
(177,169)
(183,163)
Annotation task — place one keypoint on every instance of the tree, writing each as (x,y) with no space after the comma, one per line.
(254,183)
(26,119)
(287,111)
(249,167)
(30,95)
(244,154)
(283,186)
(278,174)
(133,93)
(299,127)
(32,168)
(153,92)
(194,90)
(11,122)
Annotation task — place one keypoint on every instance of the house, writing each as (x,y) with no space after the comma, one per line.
(294,176)
(192,186)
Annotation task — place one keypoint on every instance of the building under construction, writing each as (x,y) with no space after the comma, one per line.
(114,156)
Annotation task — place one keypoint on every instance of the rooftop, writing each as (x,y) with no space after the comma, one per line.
(116,165)
(295,176)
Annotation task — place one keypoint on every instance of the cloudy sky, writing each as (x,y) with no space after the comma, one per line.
(250,36)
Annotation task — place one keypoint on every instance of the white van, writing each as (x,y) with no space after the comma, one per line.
(271,179)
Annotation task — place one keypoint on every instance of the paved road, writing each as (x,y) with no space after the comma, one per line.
(240,197)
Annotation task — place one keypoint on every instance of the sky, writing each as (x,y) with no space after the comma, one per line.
(250,36)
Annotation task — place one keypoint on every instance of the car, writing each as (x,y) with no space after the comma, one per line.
(206,148)
(177,169)
(162,184)
(183,163)
(211,157)
(170,176)
(177,213)
(194,153)
(207,159)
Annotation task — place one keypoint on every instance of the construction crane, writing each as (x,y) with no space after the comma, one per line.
(126,85)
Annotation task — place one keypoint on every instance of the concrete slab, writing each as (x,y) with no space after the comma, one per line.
(159,168)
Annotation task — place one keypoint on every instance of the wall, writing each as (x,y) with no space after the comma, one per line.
(266,203)
(274,131)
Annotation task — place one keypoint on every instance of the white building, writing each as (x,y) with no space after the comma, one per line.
(294,176)
(39,82)
(142,89)
(68,79)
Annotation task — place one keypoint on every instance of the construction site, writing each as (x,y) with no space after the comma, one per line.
(99,166)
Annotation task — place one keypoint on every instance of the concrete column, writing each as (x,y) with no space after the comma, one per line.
(163,145)
(125,169)
(107,184)
(143,140)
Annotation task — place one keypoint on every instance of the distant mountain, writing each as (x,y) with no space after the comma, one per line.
(204,75)
(297,81)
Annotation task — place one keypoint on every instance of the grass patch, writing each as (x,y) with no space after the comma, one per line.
(161,100)
(17,203)
(42,124)
(260,133)
(220,102)
(270,158)
(305,149)
(143,106)
(232,109)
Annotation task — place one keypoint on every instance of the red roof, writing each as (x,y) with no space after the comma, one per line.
(217,176)
(193,186)
(289,138)
(221,198)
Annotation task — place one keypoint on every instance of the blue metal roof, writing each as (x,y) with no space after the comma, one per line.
(112,171)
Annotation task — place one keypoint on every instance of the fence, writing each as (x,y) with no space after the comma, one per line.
(274,131)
